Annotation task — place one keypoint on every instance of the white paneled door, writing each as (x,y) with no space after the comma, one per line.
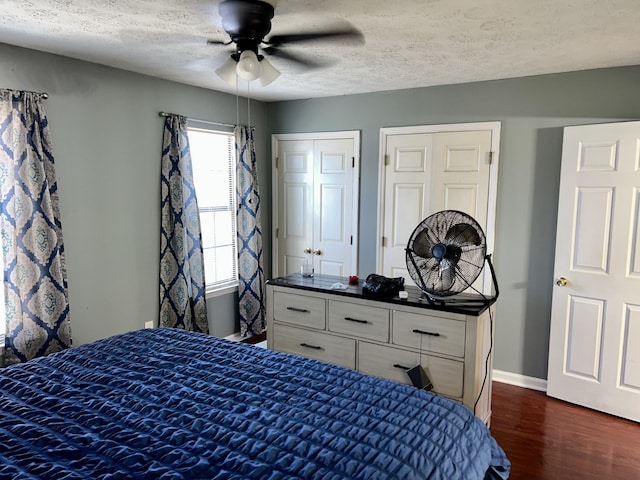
(407,197)
(334,206)
(294,190)
(594,345)
(445,168)
(315,209)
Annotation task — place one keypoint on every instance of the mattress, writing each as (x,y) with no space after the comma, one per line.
(169,404)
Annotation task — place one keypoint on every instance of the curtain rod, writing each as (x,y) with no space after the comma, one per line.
(165,114)
(44,95)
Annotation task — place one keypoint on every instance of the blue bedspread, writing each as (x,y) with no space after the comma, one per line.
(168,404)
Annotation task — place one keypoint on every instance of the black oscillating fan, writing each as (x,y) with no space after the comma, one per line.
(446,253)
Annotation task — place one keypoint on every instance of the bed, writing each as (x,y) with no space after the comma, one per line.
(169,404)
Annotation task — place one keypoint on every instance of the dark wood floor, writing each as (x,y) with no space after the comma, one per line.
(255,339)
(549,439)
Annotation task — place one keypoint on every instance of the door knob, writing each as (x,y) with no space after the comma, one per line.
(307,250)
(562,282)
(317,252)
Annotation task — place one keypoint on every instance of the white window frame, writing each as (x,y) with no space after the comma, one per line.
(215,290)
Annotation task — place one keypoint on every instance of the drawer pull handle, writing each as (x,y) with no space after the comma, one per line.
(402,367)
(422,332)
(299,310)
(315,347)
(355,320)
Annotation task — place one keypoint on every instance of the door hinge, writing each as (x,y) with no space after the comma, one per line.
(277,232)
(353,162)
(351,240)
(384,241)
(386,159)
(490,158)
(276,162)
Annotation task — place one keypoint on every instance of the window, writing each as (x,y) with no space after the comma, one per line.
(213,160)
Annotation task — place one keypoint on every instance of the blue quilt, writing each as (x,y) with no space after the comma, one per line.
(169,404)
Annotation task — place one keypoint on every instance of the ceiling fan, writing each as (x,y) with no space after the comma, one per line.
(248,22)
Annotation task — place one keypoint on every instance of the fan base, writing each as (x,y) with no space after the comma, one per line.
(456,299)
(246,22)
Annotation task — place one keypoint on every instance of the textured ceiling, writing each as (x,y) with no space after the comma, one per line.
(408,43)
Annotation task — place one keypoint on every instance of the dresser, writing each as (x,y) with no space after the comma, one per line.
(451,340)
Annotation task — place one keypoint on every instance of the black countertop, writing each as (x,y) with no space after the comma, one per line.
(463,303)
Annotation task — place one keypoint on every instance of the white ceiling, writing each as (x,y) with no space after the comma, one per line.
(408,43)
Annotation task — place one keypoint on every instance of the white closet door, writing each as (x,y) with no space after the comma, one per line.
(316,202)
(295,204)
(407,197)
(460,177)
(333,206)
(428,172)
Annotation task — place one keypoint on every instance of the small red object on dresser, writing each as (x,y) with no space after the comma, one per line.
(353,279)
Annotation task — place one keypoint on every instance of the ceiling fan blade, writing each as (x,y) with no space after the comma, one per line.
(422,246)
(305,62)
(351,34)
(462,235)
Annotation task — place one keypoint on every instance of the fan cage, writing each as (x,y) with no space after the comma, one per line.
(446,271)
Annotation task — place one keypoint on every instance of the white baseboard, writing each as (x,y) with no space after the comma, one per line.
(234,337)
(532,383)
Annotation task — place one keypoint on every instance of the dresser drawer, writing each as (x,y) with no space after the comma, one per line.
(359,320)
(318,345)
(388,362)
(441,335)
(299,310)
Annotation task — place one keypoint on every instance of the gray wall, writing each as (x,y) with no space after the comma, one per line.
(533,111)
(107,139)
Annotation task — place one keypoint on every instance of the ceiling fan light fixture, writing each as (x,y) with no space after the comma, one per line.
(227,71)
(248,67)
(269,73)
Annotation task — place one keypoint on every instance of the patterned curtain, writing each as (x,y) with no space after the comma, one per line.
(182,283)
(35,276)
(250,270)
